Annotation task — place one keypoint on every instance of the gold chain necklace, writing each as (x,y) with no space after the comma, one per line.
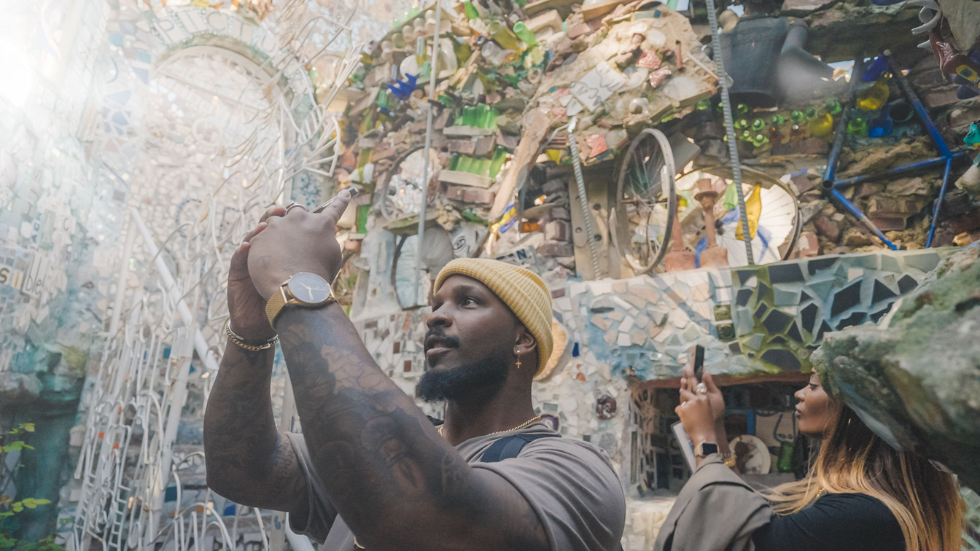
(534,419)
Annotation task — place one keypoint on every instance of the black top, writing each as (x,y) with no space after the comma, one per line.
(842,522)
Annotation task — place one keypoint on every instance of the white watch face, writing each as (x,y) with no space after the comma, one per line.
(309,288)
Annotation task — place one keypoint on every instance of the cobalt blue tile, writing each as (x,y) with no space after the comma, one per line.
(777,321)
(846,298)
(814,266)
(809,314)
(881,292)
(906,284)
(785,273)
(794,333)
(743,296)
(783,359)
(857,318)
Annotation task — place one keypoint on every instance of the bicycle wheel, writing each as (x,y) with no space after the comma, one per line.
(645,195)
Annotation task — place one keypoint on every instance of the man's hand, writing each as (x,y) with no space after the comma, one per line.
(299,241)
(246,307)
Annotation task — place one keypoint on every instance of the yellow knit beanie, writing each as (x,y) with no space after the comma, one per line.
(520,289)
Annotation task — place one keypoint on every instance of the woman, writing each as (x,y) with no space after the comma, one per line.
(860,494)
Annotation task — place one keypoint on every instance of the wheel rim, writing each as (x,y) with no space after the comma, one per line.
(646,188)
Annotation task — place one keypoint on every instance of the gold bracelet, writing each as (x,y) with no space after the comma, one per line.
(240,342)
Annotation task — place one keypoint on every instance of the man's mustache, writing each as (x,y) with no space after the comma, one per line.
(438,336)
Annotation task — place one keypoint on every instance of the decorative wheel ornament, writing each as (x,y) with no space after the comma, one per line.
(645,194)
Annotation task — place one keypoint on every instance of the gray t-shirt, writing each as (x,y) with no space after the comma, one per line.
(570,484)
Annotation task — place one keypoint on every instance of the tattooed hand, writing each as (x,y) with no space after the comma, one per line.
(299,241)
(245,305)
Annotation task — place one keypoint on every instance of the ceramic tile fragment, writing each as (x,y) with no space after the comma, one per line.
(645,292)
(658,317)
(890,263)
(700,292)
(786,294)
(601,321)
(636,301)
(924,261)
(624,339)
(638,337)
(627,324)
(601,288)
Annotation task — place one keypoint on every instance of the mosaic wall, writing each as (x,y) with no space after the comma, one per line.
(763,319)
(766,318)
(644,327)
(52,57)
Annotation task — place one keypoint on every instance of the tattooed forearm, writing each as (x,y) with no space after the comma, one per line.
(247,460)
(394,480)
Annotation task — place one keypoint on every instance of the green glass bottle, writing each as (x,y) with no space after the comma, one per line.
(470,11)
(746,135)
(760,140)
(777,119)
(797,116)
(504,36)
(742,123)
(525,34)
(703,105)
(758,125)
(857,127)
(741,109)
(785,462)
(811,113)
(833,106)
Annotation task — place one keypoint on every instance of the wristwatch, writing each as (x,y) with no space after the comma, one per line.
(704,449)
(302,289)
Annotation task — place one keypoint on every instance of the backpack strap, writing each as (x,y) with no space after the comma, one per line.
(509,447)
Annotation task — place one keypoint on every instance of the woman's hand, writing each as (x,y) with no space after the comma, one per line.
(689,384)
(697,417)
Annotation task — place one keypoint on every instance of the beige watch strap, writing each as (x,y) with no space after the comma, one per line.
(275,305)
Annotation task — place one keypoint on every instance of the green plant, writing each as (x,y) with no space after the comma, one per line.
(9,442)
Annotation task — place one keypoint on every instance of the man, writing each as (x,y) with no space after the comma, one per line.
(370,470)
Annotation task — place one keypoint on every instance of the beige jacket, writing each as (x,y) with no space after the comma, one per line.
(715,511)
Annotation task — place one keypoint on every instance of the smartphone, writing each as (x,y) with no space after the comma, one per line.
(698,362)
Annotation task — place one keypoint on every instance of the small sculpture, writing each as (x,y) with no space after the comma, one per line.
(605,407)
(715,255)
(679,258)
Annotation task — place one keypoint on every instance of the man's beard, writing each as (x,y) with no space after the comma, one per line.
(486,374)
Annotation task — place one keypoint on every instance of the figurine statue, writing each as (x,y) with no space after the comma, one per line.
(679,258)
(714,256)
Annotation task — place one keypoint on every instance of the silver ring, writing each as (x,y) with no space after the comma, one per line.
(701,388)
(292,205)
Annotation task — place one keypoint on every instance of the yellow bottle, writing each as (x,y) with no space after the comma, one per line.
(822,126)
(873,98)
(753,208)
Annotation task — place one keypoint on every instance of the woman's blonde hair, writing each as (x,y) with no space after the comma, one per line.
(852,459)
